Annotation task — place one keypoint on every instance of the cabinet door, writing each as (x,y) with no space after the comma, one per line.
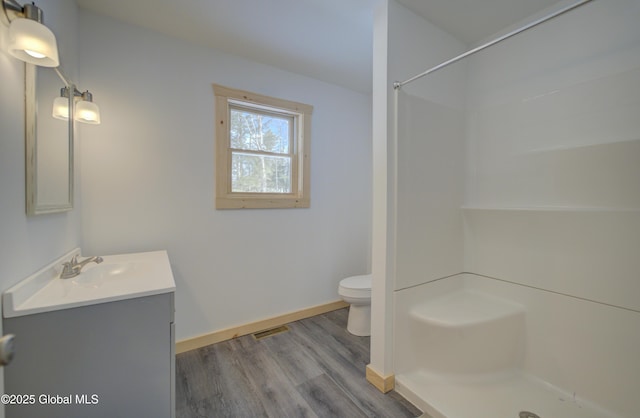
(106,360)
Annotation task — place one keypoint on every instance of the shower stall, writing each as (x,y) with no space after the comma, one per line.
(508,283)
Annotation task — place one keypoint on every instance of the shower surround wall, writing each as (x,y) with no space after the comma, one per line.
(553,191)
(551,197)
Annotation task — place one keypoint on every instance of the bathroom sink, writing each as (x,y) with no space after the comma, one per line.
(98,274)
(118,277)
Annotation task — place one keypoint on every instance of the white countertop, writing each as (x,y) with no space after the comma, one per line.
(118,277)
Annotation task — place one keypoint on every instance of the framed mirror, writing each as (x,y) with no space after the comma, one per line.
(49,144)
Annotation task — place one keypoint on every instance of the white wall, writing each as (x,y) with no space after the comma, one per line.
(29,243)
(147,179)
(382,208)
(418,226)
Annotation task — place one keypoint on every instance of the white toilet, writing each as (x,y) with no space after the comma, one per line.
(356,290)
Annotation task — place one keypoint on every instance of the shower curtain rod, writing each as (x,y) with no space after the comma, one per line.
(398,84)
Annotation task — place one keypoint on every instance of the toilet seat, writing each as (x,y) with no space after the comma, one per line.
(356,286)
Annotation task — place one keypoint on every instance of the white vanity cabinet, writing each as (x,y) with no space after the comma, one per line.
(99,345)
(109,360)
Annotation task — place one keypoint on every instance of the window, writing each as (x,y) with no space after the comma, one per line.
(262,151)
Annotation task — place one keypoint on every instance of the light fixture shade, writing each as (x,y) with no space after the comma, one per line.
(33,42)
(61,108)
(87,112)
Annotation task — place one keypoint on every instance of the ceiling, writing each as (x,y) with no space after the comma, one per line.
(330,40)
(474,20)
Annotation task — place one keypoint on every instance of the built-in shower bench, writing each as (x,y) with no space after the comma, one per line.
(468,332)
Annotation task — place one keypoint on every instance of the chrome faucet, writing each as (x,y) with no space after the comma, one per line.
(72,268)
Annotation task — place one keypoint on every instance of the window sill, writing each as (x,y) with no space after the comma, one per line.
(261,203)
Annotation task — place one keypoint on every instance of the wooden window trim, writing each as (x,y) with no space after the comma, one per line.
(300,195)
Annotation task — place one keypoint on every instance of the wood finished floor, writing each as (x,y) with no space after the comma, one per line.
(316,369)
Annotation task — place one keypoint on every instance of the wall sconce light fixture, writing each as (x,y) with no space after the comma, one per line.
(61,105)
(85,110)
(29,39)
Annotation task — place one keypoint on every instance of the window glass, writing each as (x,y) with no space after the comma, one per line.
(250,130)
(251,173)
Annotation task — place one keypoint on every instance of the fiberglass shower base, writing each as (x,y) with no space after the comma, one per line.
(504,397)
(468,365)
